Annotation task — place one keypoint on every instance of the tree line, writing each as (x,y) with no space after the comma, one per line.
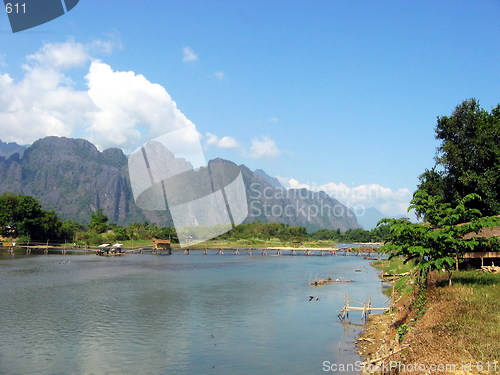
(22,217)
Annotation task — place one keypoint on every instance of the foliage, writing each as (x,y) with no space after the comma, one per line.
(98,221)
(134,231)
(468,158)
(69,229)
(438,243)
(402,330)
(266,231)
(378,234)
(23,216)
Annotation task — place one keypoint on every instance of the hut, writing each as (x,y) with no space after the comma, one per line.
(490,256)
(162,245)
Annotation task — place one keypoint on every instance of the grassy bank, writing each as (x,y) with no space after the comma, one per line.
(458,324)
(461,323)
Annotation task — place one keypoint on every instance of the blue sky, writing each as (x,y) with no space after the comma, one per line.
(336,95)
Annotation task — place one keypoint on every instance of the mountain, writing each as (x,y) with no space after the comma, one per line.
(273,181)
(371,216)
(8,149)
(313,210)
(72,177)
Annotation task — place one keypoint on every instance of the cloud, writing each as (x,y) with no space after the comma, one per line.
(118,109)
(188,55)
(108,45)
(130,108)
(228,142)
(388,201)
(224,142)
(44,102)
(273,119)
(212,139)
(219,75)
(59,55)
(264,148)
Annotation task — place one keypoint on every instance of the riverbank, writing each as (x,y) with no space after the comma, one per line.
(442,330)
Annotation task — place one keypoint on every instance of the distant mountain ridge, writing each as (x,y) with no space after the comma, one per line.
(273,181)
(72,177)
(11,148)
(371,216)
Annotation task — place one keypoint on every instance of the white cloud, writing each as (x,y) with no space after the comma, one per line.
(60,55)
(108,45)
(224,142)
(273,119)
(264,147)
(130,108)
(43,102)
(227,142)
(219,75)
(212,139)
(389,202)
(118,109)
(188,55)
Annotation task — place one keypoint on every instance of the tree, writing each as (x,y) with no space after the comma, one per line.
(98,221)
(381,232)
(70,228)
(438,243)
(22,215)
(468,158)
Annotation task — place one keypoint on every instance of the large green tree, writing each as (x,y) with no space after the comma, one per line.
(23,216)
(439,242)
(468,158)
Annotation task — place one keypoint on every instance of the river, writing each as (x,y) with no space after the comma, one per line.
(179,314)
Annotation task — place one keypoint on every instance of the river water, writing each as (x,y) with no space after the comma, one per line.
(179,314)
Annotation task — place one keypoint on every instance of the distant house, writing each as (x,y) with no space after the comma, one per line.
(492,255)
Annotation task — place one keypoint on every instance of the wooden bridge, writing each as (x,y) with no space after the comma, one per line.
(45,248)
(279,251)
(365,308)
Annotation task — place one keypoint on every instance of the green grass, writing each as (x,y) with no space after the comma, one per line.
(476,278)
(394,266)
(403,285)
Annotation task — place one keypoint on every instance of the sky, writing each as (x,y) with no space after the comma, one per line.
(340,96)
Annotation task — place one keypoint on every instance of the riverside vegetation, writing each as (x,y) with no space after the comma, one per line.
(443,314)
(436,323)
(23,219)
